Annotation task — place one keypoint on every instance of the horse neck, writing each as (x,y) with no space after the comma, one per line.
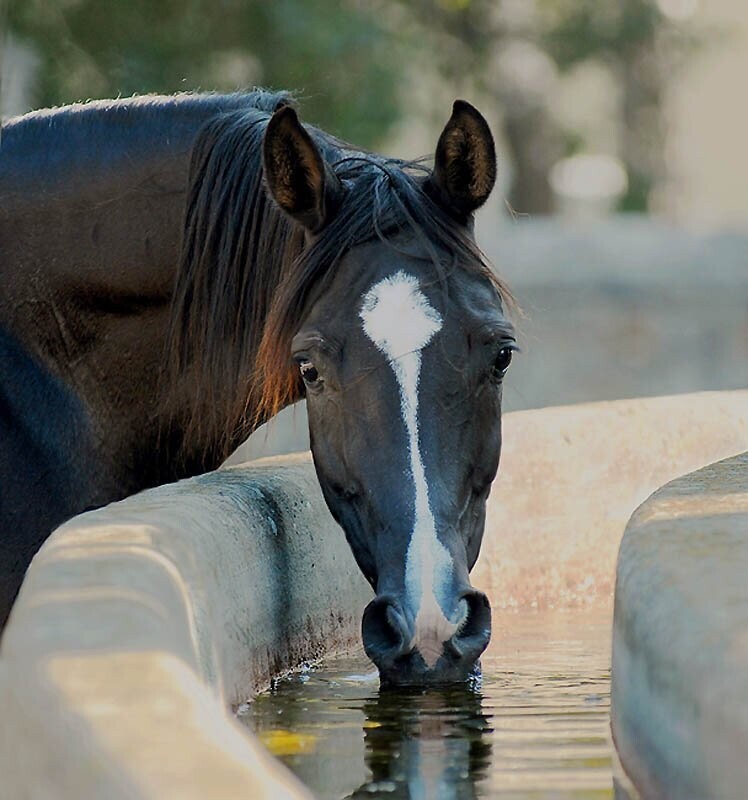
(91,200)
(90,247)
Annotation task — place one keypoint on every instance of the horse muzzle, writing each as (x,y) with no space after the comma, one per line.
(408,652)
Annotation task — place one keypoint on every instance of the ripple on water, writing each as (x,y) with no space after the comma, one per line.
(536,727)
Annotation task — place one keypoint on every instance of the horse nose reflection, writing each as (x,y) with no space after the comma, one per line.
(431,744)
(345,737)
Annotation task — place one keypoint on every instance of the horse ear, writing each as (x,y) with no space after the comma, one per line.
(296,174)
(465,162)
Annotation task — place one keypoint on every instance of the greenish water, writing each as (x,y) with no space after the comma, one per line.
(535,727)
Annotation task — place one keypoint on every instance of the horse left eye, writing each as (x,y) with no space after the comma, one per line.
(308,372)
(503,360)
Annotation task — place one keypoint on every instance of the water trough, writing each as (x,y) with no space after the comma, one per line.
(141,624)
(680,638)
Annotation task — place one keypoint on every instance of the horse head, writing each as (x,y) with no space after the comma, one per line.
(401,352)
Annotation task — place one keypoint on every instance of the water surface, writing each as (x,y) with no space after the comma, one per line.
(535,727)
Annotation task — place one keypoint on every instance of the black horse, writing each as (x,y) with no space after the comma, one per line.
(173,271)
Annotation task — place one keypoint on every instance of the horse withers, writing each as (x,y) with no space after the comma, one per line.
(176,270)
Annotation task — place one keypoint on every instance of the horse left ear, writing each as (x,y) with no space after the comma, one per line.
(297,176)
(465,162)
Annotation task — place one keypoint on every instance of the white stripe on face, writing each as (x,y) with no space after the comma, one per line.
(398,318)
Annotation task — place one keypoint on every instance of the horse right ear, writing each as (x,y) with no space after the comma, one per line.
(297,176)
(465,162)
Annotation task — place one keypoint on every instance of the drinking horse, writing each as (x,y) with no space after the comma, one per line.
(175,270)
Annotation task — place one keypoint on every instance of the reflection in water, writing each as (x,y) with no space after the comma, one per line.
(422,745)
(537,727)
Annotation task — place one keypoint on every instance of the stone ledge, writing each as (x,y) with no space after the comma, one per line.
(571,476)
(139,623)
(680,641)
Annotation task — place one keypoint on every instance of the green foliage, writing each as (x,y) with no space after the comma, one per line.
(346,58)
(637,42)
(576,30)
(637,194)
(336,56)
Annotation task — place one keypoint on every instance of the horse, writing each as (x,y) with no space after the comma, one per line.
(175,270)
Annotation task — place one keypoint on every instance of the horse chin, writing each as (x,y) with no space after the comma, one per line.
(412,672)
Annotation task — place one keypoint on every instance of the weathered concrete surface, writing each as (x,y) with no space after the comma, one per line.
(139,622)
(680,642)
(570,478)
(626,307)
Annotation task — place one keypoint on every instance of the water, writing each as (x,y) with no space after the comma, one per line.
(537,727)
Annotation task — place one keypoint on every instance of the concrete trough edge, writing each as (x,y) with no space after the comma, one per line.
(680,638)
(140,624)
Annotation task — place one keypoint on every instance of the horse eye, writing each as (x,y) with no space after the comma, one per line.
(308,372)
(503,360)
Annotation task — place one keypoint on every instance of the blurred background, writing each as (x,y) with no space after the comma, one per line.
(621,217)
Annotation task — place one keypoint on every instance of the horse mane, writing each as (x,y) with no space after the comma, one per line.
(246,279)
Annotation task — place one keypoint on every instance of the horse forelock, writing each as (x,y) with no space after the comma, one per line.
(246,279)
(384,200)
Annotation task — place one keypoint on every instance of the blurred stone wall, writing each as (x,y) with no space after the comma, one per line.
(626,307)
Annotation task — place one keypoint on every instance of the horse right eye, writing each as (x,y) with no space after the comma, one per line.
(308,372)
(503,360)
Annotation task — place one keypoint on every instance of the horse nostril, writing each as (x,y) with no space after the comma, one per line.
(384,629)
(475,631)
(406,655)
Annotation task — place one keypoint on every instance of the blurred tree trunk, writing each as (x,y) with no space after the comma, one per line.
(534,147)
(642,129)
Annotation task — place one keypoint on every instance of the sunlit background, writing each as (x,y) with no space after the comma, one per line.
(620,216)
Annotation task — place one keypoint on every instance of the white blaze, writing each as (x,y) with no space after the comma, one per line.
(400,321)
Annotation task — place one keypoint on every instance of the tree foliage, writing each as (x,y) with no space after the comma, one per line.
(338,57)
(348,59)
(633,38)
